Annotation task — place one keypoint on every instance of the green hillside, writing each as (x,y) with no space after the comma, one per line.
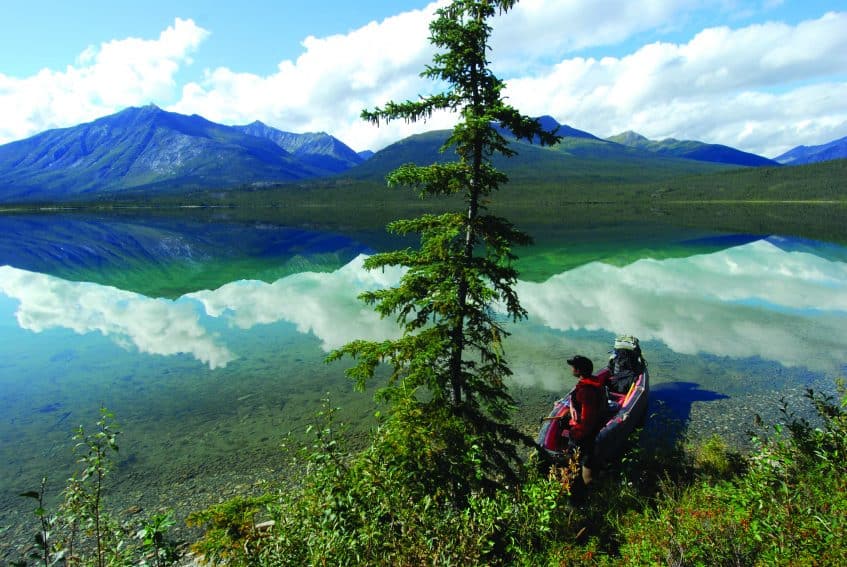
(824,181)
(691,149)
(587,161)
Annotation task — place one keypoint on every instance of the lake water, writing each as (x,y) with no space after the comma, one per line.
(207,338)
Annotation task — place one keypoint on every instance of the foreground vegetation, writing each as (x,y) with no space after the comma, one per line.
(81,530)
(667,502)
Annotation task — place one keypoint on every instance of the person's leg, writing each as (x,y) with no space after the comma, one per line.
(587,474)
(587,462)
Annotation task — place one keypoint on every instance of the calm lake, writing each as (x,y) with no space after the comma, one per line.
(207,336)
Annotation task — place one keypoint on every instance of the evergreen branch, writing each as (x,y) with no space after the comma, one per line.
(526,128)
(410,111)
(435,179)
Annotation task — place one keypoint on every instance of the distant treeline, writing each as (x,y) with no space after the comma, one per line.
(532,187)
(806,200)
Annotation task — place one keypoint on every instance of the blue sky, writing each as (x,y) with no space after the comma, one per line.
(763,76)
(250,35)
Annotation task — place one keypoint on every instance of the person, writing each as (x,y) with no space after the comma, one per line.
(587,410)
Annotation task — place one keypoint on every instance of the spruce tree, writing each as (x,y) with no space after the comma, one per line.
(460,281)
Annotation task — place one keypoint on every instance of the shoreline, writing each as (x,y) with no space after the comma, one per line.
(212,483)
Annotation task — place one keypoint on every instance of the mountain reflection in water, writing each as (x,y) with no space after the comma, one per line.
(756,299)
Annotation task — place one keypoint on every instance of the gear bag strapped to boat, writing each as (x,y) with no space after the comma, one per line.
(625,364)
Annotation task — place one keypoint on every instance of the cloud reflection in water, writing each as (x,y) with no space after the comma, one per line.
(154,326)
(750,300)
(324,304)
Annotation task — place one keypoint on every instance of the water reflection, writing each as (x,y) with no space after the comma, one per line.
(756,299)
(166,256)
(152,326)
(325,305)
(751,300)
(727,334)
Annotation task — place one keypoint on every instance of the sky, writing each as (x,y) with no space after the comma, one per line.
(762,76)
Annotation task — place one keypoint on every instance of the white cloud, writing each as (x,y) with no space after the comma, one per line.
(154,326)
(538,29)
(327,87)
(336,77)
(745,88)
(103,80)
(756,88)
(763,88)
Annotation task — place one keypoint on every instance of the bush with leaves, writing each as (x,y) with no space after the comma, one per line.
(387,505)
(80,531)
(788,506)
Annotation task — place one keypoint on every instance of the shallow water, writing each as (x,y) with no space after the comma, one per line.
(209,368)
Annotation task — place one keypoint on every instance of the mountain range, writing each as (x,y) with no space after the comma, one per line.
(156,150)
(148,151)
(837,149)
(690,149)
(319,150)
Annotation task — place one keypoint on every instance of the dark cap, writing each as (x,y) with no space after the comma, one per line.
(583,364)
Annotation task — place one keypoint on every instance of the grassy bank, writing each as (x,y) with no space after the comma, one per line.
(667,502)
(806,201)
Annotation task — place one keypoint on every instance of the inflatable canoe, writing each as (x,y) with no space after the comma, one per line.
(626,412)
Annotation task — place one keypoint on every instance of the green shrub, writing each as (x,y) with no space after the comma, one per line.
(230,530)
(713,458)
(789,507)
(81,531)
(416,495)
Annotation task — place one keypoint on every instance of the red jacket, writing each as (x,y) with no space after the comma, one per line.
(587,402)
